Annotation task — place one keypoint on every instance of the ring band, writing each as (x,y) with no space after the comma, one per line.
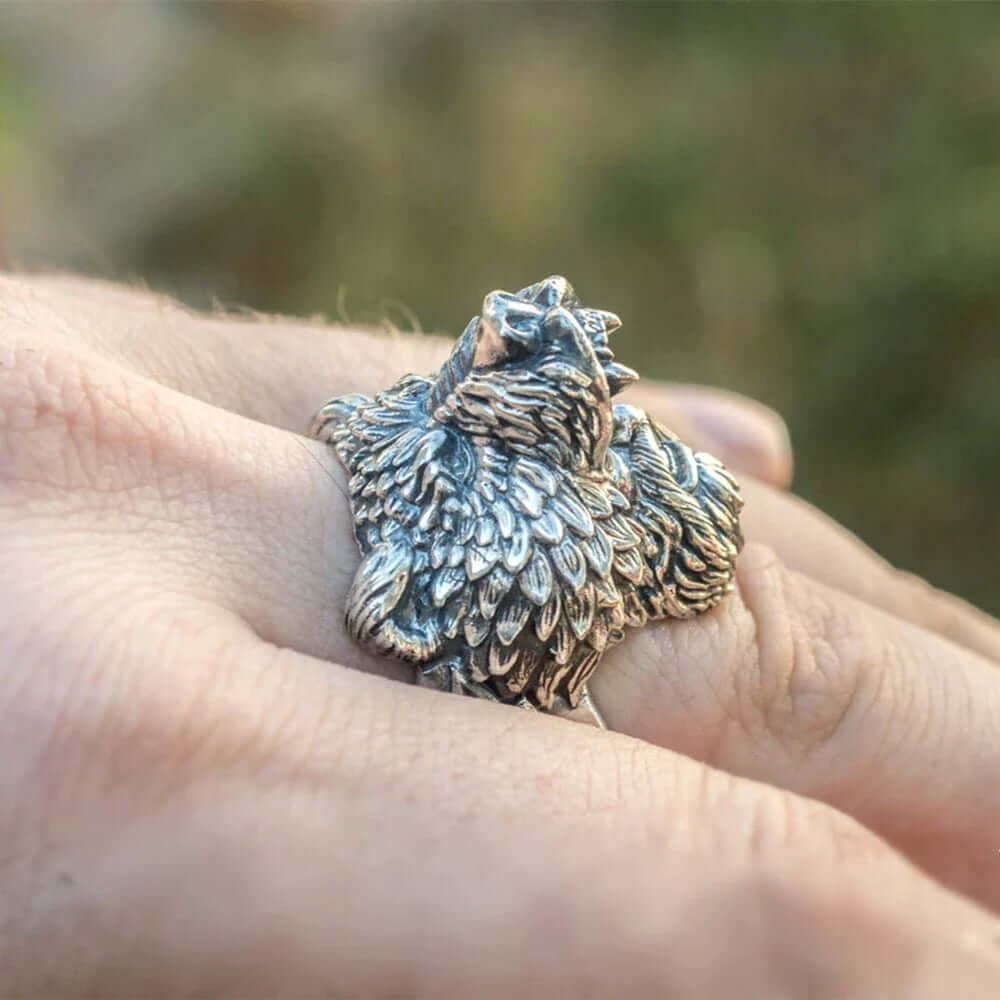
(512,521)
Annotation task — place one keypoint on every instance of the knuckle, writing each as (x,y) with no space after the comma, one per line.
(806,914)
(71,421)
(808,656)
(781,825)
(754,824)
(790,866)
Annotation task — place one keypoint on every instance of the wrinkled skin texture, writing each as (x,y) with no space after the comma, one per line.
(206,788)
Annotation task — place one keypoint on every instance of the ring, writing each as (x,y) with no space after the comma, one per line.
(512,522)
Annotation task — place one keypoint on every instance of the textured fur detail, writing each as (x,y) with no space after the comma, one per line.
(512,521)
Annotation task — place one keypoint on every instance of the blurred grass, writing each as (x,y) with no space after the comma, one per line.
(798,202)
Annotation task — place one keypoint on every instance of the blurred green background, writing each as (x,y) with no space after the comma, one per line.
(801,203)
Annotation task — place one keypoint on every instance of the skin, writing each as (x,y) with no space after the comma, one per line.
(207,788)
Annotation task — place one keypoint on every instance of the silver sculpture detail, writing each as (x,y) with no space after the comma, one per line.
(512,521)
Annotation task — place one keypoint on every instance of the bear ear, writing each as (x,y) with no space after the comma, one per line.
(507,328)
(552,291)
(598,321)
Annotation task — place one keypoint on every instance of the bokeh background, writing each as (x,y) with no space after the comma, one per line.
(801,203)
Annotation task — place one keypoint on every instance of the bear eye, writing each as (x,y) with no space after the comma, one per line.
(525,325)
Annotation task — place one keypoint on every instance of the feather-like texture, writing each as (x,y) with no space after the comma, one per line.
(511,520)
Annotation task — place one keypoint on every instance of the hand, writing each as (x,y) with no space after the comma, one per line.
(195,798)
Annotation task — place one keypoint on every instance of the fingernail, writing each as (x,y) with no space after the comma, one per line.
(745,434)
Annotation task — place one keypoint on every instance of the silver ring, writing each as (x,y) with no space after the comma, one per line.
(512,521)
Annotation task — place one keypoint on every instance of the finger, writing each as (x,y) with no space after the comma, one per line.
(280,372)
(277,372)
(791,682)
(259,523)
(746,435)
(179,493)
(786,681)
(810,542)
(280,825)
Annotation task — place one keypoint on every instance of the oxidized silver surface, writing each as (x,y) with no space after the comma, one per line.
(512,522)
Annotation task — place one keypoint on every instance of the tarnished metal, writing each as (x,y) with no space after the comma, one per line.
(512,522)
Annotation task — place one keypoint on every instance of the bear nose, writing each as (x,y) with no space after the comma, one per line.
(558,320)
(553,291)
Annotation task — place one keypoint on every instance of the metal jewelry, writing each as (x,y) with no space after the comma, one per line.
(512,521)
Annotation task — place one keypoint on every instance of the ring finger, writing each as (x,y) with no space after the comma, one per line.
(788,681)
(276,372)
